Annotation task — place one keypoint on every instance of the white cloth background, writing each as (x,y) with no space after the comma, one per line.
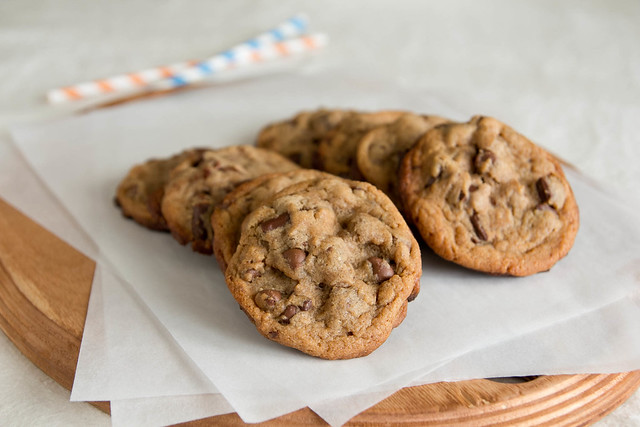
(566,75)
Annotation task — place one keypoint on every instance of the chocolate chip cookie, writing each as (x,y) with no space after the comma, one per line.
(198,184)
(326,267)
(228,216)
(298,138)
(485,197)
(140,193)
(381,150)
(337,150)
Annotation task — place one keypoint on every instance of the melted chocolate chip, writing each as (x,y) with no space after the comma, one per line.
(306,305)
(267,299)
(154,204)
(430,182)
(288,313)
(295,257)
(381,269)
(277,222)
(197,161)
(477,227)
(295,157)
(483,160)
(198,227)
(544,192)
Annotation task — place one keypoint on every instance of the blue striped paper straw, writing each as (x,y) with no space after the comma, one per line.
(243,57)
(291,28)
(240,54)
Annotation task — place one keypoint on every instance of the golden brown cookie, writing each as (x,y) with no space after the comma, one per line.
(381,150)
(326,267)
(298,138)
(197,185)
(485,197)
(228,216)
(337,151)
(140,193)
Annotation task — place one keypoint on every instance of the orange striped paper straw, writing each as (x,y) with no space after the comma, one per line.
(293,27)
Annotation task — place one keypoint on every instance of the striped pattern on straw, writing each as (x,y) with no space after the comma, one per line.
(243,57)
(178,74)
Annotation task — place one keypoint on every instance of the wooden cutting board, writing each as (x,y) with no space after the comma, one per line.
(44,291)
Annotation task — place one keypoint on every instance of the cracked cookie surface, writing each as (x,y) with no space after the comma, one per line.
(485,197)
(198,184)
(298,138)
(326,267)
(381,150)
(140,193)
(228,216)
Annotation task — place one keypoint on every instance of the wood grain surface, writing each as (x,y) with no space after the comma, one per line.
(44,292)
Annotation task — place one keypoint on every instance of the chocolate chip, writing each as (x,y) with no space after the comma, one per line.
(349,334)
(295,257)
(295,157)
(473,188)
(317,163)
(477,227)
(198,227)
(273,334)
(381,269)
(488,155)
(197,158)
(544,192)
(430,182)
(277,222)
(483,160)
(306,305)
(288,313)
(267,299)
(250,274)
(154,203)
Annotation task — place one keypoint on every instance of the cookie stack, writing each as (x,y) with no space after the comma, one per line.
(319,263)
(321,260)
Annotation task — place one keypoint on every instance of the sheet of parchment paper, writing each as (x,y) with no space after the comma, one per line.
(81,159)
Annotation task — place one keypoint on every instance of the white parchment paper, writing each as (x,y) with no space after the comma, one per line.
(82,158)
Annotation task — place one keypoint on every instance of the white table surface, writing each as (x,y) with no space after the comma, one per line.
(567,74)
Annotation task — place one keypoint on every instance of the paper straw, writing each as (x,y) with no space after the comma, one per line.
(243,57)
(293,27)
